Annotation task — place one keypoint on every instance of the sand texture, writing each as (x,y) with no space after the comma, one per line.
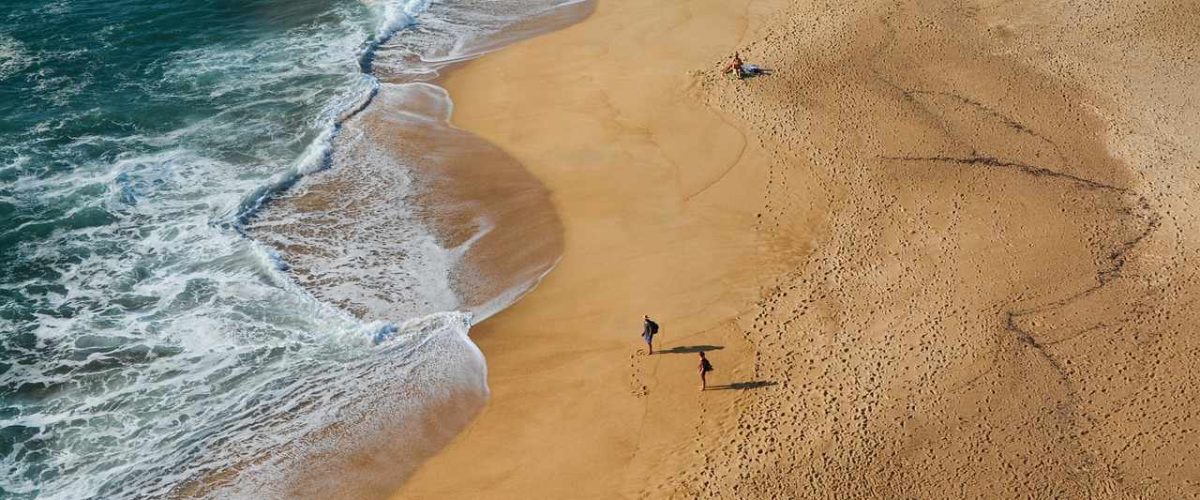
(946,249)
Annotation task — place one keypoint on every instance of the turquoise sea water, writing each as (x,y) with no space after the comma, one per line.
(145,341)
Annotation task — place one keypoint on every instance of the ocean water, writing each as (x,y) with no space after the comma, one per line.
(149,345)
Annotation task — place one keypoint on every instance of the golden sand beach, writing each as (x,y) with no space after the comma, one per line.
(946,249)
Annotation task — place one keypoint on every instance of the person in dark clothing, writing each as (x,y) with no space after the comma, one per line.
(705,367)
(649,330)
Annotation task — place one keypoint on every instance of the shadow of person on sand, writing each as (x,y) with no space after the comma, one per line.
(686,349)
(742,386)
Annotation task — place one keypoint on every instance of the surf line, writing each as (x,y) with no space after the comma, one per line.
(318,156)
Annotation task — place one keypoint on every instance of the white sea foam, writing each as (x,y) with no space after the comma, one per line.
(478,27)
(434,385)
(13,57)
(398,15)
(396,266)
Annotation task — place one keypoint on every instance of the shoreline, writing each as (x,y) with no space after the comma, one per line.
(411,176)
(405,121)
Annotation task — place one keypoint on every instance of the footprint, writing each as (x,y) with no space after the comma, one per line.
(637,385)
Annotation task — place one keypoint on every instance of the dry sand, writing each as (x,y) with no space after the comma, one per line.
(947,249)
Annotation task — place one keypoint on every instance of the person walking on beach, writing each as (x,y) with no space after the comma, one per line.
(649,330)
(705,367)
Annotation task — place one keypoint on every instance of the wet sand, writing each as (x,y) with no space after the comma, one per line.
(945,249)
(401,170)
